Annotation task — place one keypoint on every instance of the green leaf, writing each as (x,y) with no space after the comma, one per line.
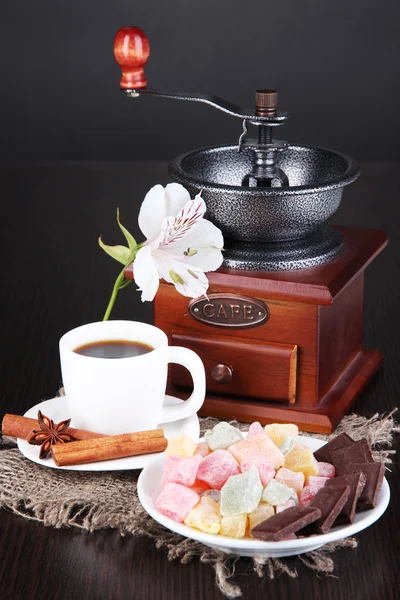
(119,253)
(128,236)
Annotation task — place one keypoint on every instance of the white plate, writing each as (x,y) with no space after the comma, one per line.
(149,488)
(57,410)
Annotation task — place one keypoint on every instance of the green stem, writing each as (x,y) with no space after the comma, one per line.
(120,283)
(125,284)
(114,294)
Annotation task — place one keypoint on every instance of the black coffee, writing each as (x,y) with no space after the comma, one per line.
(114,349)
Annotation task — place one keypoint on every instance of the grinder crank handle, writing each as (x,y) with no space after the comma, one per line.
(132,50)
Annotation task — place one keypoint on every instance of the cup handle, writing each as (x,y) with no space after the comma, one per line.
(191,361)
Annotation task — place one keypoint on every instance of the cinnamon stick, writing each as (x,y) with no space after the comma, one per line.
(109,448)
(20,427)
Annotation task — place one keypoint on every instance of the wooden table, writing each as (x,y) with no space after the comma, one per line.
(54,277)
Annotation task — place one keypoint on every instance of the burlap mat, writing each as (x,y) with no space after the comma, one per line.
(99,500)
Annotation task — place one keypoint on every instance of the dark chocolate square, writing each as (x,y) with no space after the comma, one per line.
(324,454)
(285,523)
(357,452)
(330,501)
(374,473)
(356,482)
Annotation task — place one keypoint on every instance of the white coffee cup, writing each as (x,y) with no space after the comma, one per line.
(120,395)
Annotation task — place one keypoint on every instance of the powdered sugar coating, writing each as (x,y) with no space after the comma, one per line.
(216,468)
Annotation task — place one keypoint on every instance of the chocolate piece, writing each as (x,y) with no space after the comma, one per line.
(357,452)
(285,523)
(330,502)
(356,482)
(324,453)
(374,473)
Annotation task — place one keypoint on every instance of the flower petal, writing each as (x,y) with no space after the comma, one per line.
(146,274)
(195,282)
(176,198)
(152,212)
(206,259)
(201,247)
(188,280)
(176,228)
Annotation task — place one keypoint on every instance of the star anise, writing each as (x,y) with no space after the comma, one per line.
(49,434)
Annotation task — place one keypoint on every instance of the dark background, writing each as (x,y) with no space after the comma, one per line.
(334,63)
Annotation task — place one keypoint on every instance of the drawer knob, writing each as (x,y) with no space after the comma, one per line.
(222,373)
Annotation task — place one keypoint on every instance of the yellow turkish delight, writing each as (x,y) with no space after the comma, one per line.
(181,446)
(234,527)
(279,431)
(205,516)
(301,459)
(261,513)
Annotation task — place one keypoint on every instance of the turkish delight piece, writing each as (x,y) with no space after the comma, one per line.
(316,481)
(279,431)
(205,516)
(291,479)
(356,482)
(213,494)
(261,513)
(276,493)
(285,523)
(176,500)
(323,454)
(264,467)
(200,486)
(181,469)
(181,446)
(202,449)
(288,444)
(326,470)
(234,526)
(222,436)
(307,494)
(288,504)
(241,493)
(258,444)
(301,459)
(255,428)
(216,468)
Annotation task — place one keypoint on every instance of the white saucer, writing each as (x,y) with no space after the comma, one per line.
(57,410)
(149,487)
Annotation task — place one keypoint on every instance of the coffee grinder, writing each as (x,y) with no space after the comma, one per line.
(280,333)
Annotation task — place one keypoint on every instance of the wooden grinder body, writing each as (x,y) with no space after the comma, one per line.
(304,364)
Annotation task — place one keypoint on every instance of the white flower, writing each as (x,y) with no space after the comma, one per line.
(180,244)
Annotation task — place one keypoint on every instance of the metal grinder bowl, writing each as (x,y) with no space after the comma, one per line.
(267,214)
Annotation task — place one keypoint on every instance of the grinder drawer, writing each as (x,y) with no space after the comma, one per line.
(242,367)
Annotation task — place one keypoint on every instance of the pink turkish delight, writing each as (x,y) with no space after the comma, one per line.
(326,470)
(307,494)
(176,500)
(216,468)
(181,469)
(291,478)
(255,428)
(265,469)
(316,481)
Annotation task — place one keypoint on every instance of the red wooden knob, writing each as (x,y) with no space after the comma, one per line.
(131,50)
